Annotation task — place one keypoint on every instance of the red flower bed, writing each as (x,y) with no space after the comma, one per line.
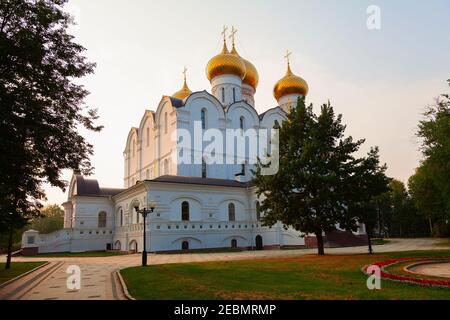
(427,282)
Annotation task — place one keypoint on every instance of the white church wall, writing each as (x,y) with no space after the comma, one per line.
(148,143)
(215,118)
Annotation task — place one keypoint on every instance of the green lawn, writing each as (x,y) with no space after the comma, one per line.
(307,277)
(17,268)
(82,254)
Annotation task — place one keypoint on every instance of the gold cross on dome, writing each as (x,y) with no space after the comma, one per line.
(233,32)
(288,54)
(184,72)
(224,33)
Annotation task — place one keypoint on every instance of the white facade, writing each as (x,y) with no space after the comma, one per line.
(198,204)
(148,166)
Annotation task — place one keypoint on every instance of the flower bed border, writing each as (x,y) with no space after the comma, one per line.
(405,279)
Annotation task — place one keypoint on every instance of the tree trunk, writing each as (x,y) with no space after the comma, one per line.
(8,258)
(319,238)
(369,241)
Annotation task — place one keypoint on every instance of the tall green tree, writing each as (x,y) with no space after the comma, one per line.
(427,197)
(434,132)
(42,106)
(368,182)
(429,186)
(318,173)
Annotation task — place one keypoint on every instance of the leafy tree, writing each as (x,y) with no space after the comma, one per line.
(52,219)
(434,131)
(41,106)
(368,184)
(319,176)
(427,197)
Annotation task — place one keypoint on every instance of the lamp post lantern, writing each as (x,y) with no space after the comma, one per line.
(144,212)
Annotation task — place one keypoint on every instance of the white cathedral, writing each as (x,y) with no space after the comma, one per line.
(197,206)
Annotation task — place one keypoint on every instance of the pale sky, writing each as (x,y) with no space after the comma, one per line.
(380,80)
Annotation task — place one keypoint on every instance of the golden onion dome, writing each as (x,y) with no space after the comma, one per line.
(184,92)
(225,63)
(290,84)
(251,75)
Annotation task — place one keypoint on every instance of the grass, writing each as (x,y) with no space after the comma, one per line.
(306,277)
(17,268)
(81,254)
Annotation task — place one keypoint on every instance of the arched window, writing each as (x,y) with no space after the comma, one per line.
(258,211)
(204,173)
(233,243)
(231,212)
(165,122)
(102,219)
(185,211)
(234,94)
(223,95)
(137,217)
(166,167)
(133,147)
(185,245)
(244,168)
(203,118)
(148,136)
(241,123)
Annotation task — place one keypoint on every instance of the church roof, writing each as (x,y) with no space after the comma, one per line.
(90,187)
(201,181)
(176,103)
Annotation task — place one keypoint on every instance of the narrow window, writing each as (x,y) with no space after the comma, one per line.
(165,122)
(231,212)
(133,147)
(203,168)
(234,94)
(121,217)
(166,167)
(258,211)
(148,136)
(102,219)
(241,123)
(203,118)
(185,211)
(223,95)
(234,243)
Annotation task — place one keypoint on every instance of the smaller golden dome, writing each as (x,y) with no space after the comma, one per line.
(251,74)
(185,91)
(290,84)
(225,63)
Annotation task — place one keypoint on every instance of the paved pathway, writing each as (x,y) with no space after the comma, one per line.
(99,281)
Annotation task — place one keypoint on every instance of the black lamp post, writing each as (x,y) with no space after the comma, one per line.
(144,211)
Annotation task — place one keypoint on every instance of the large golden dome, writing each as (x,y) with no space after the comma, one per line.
(290,84)
(251,75)
(225,63)
(184,92)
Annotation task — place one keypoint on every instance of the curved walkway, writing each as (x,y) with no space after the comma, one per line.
(99,280)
